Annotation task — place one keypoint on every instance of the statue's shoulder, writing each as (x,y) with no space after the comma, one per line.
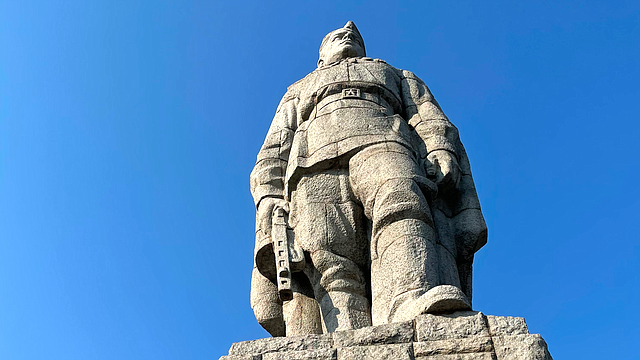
(401,73)
(406,74)
(295,90)
(299,86)
(378,62)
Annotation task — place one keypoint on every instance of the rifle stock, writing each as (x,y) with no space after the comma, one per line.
(282,253)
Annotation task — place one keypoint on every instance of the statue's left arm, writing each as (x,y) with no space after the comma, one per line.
(439,137)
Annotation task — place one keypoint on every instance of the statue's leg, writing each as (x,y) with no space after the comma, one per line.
(302,313)
(341,292)
(329,226)
(404,249)
(446,248)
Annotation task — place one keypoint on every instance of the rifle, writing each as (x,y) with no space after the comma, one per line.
(289,256)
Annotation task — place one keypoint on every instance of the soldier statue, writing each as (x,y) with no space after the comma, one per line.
(381,216)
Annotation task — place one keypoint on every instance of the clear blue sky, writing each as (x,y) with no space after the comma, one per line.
(128,130)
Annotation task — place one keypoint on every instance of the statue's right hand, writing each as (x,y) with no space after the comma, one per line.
(265,213)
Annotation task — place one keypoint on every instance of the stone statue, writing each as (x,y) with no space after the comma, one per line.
(379,216)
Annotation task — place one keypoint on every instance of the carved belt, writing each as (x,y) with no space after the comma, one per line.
(352,93)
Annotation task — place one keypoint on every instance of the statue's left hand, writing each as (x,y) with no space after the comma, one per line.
(447,169)
(265,212)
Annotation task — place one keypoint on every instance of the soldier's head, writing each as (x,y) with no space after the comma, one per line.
(340,44)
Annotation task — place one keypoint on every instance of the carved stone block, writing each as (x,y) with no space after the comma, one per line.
(474,356)
(521,347)
(459,336)
(322,354)
(393,333)
(507,325)
(289,343)
(241,357)
(474,344)
(457,325)
(377,352)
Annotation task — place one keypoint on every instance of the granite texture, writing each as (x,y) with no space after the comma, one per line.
(521,347)
(465,335)
(320,354)
(375,352)
(367,222)
(370,179)
(289,343)
(457,325)
(507,325)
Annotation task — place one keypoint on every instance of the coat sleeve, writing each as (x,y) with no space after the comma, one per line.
(267,177)
(425,115)
(266,304)
(267,180)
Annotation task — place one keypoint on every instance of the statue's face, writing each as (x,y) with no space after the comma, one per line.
(341,44)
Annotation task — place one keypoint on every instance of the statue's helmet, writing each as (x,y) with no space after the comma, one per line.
(350,28)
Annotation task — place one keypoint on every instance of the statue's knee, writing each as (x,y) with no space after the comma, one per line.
(406,233)
(398,199)
(338,273)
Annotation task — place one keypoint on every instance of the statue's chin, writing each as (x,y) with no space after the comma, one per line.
(344,53)
(348,52)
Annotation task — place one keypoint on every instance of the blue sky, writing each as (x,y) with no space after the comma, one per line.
(128,130)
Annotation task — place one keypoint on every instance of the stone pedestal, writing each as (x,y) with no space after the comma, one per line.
(468,335)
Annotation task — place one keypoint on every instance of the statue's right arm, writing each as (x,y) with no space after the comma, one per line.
(267,189)
(267,177)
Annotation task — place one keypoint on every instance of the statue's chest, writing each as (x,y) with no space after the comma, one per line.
(363,77)
(358,71)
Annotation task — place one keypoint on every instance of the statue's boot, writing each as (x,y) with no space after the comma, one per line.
(441,299)
(406,275)
(302,315)
(344,311)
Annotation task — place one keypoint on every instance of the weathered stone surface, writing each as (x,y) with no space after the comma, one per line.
(361,157)
(521,347)
(290,343)
(453,346)
(474,356)
(459,336)
(241,357)
(393,333)
(302,315)
(367,214)
(506,325)
(377,352)
(265,304)
(457,325)
(323,354)
(437,300)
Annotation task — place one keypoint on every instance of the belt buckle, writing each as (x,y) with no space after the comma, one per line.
(351,93)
